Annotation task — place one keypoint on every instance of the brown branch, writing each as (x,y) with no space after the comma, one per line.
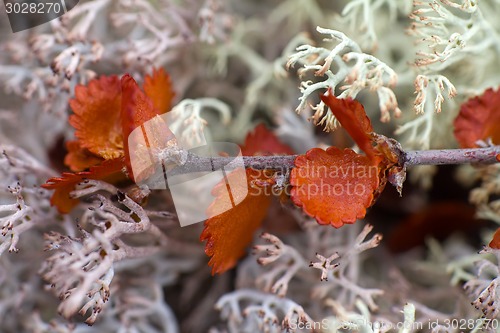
(284,163)
(452,156)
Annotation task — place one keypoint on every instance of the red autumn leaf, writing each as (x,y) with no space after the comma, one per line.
(96,117)
(479,119)
(337,186)
(261,142)
(158,88)
(334,186)
(136,106)
(106,111)
(137,109)
(228,234)
(352,116)
(495,242)
(107,170)
(79,158)
(145,143)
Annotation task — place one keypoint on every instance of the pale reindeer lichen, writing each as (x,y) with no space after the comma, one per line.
(130,268)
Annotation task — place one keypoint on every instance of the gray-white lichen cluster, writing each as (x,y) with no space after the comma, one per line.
(124,267)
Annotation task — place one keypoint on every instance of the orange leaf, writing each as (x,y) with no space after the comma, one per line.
(96,117)
(352,116)
(145,143)
(495,242)
(479,119)
(106,111)
(78,158)
(229,233)
(66,183)
(262,141)
(158,88)
(334,186)
(137,110)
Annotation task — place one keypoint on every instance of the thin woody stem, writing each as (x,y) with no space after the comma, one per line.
(452,156)
(195,163)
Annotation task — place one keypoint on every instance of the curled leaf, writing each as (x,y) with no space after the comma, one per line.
(352,116)
(106,111)
(79,158)
(228,234)
(158,88)
(108,170)
(337,186)
(334,186)
(146,143)
(479,119)
(136,109)
(96,117)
